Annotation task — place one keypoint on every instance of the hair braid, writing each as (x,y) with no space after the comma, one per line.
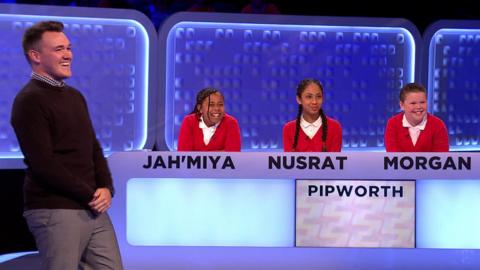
(324,130)
(297,127)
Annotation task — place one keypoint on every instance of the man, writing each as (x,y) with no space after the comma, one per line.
(68,186)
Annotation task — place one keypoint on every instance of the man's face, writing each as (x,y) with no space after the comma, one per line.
(53,56)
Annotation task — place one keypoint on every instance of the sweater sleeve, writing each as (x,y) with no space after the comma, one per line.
(336,145)
(233,141)
(440,138)
(391,142)
(103,177)
(185,138)
(287,138)
(32,127)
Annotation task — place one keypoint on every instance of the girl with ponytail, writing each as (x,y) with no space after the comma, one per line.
(208,127)
(312,131)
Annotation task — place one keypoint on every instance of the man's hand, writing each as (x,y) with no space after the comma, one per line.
(102,198)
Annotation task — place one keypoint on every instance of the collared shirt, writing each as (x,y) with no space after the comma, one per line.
(310,128)
(48,80)
(414,130)
(207,131)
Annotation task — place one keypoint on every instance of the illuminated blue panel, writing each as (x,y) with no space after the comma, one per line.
(453,69)
(257,65)
(210,212)
(11,256)
(447,213)
(110,68)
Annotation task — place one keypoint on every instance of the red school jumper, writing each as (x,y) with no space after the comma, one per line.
(225,138)
(434,138)
(305,144)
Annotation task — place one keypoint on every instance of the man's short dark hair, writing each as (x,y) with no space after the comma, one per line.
(34,33)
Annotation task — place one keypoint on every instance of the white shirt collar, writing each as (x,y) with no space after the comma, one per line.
(310,129)
(316,124)
(47,79)
(414,131)
(207,131)
(202,124)
(420,126)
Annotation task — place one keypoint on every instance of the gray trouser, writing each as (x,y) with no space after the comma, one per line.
(74,239)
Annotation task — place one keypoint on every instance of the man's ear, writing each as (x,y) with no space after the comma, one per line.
(34,56)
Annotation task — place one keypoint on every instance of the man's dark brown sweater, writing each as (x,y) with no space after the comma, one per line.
(65,163)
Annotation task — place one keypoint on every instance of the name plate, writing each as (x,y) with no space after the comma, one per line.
(305,165)
(332,213)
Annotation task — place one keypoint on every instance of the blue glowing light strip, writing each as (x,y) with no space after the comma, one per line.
(12,256)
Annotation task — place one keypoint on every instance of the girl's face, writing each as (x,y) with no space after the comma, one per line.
(212,109)
(311,100)
(415,107)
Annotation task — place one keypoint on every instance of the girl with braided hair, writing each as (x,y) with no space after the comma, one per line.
(208,127)
(312,131)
